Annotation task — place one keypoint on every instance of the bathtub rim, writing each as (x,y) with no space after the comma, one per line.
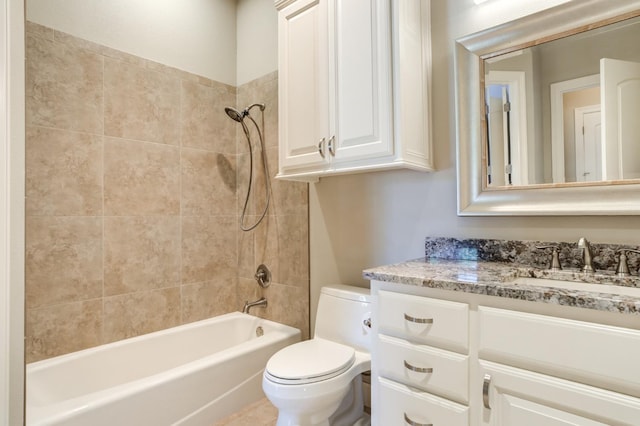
(58,411)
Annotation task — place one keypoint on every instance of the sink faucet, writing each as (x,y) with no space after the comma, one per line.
(248,305)
(587,256)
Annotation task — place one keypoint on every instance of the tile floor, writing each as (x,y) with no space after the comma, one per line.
(260,413)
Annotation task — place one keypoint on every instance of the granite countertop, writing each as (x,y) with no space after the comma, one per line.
(498,279)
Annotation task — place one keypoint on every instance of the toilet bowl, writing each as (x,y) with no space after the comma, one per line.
(318,381)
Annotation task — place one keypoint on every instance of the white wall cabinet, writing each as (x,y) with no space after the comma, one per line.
(503,362)
(354,86)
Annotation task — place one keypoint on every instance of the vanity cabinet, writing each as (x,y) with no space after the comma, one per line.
(489,361)
(354,91)
(420,362)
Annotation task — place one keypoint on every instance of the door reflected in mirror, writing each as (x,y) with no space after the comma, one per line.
(565,111)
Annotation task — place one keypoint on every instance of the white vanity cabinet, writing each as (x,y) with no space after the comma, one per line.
(497,361)
(543,370)
(354,91)
(420,361)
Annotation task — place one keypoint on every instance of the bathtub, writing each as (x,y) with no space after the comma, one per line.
(193,374)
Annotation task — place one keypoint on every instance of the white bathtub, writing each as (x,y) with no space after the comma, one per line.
(193,374)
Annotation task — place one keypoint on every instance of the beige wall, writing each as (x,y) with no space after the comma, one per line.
(257,39)
(133,199)
(196,35)
(372,219)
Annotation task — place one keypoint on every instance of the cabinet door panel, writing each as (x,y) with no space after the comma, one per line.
(363,104)
(602,355)
(524,398)
(303,84)
(398,401)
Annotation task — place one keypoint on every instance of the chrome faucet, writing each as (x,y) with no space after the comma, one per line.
(248,305)
(587,256)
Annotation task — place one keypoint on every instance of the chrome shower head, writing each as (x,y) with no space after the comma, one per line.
(235,114)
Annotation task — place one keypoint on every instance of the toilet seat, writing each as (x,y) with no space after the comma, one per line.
(309,362)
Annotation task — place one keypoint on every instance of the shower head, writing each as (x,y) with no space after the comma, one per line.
(235,114)
(240,115)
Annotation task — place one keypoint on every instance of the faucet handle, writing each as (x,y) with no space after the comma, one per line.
(622,270)
(554,265)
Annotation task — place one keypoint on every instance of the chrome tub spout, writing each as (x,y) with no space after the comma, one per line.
(248,305)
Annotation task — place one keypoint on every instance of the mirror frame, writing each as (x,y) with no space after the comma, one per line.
(474,199)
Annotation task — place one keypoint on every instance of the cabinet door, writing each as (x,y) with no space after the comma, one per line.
(303,85)
(360,75)
(523,398)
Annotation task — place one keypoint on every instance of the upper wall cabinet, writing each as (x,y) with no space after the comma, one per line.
(354,86)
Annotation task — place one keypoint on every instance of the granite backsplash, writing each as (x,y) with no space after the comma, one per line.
(605,256)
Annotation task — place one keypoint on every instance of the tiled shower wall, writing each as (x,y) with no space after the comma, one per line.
(135,183)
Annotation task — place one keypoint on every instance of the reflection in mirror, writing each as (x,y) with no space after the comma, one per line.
(565,111)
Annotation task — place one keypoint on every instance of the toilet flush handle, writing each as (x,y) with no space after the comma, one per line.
(366,322)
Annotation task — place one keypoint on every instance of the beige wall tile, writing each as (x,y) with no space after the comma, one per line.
(204,123)
(38,30)
(263,90)
(63,86)
(209,247)
(171,174)
(60,329)
(208,183)
(140,104)
(141,253)
(134,314)
(267,246)
(288,197)
(211,298)
(289,305)
(248,290)
(63,260)
(141,178)
(246,246)
(293,250)
(63,173)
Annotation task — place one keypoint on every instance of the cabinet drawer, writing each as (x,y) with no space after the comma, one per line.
(398,360)
(421,319)
(601,355)
(398,401)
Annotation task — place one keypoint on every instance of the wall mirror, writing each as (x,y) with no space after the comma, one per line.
(548,113)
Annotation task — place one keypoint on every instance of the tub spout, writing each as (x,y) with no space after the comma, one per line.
(248,305)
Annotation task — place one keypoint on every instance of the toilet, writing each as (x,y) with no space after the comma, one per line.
(318,381)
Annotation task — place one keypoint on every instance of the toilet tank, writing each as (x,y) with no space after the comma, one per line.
(342,312)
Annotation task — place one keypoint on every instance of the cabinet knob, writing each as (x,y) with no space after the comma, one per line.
(321,147)
(418,320)
(486,382)
(417,369)
(410,422)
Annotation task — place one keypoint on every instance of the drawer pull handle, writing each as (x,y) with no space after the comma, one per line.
(485,391)
(410,422)
(417,369)
(418,320)
(321,147)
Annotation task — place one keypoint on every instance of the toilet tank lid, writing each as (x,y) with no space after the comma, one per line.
(348,292)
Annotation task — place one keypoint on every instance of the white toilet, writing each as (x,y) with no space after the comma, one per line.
(318,381)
